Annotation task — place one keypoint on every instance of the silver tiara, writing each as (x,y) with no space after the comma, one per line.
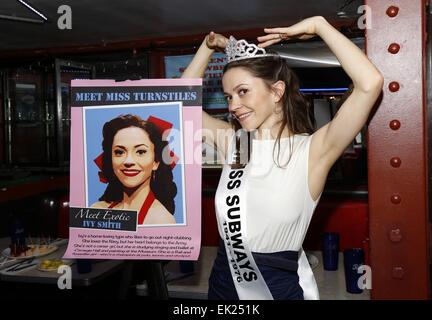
(241,49)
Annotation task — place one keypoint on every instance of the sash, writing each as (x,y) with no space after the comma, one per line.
(248,280)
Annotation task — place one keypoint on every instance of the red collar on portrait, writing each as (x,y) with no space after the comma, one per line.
(163,126)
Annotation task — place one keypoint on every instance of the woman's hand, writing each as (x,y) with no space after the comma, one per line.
(303,30)
(216,41)
(198,65)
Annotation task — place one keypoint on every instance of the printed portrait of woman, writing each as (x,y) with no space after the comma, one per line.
(133,166)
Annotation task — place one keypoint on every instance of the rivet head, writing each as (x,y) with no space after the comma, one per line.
(392,11)
(395,235)
(395,124)
(398,272)
(393,48)
(394,86)
(395,199)
(395,162)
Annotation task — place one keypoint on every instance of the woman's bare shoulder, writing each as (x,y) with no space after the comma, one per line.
(100,204)
(158,214)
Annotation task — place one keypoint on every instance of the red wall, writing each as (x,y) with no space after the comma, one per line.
(348,217)
(210,236)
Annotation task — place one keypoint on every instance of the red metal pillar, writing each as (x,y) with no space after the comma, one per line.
(397,153)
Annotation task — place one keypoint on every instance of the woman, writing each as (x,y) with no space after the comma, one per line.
(264,208)
(138,178)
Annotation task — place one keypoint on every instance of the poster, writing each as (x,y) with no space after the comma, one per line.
(135,188)
(213,97)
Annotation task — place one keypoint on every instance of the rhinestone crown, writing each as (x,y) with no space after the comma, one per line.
(241,49)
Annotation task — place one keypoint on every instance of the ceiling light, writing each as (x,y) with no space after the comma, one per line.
(25,19)
(32,9)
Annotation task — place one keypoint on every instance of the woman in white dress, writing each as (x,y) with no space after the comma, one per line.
(264,204)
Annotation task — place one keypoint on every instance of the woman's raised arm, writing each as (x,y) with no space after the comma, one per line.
(214,130)
(330,141)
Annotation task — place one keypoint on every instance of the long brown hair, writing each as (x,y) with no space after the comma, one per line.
(162,186)
(298,114)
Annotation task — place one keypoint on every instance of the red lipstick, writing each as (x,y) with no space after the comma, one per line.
(130,173)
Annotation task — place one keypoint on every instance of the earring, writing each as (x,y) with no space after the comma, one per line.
(277,109)
(153,174)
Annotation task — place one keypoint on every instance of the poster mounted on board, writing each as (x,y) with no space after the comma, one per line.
(213,96)
(135,186)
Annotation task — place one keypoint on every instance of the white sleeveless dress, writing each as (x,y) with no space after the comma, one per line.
(279,204)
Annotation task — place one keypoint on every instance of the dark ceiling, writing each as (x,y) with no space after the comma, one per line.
(99,22)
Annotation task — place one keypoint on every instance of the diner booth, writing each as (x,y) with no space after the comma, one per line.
(34,164)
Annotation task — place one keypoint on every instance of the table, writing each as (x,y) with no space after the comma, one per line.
(101,269)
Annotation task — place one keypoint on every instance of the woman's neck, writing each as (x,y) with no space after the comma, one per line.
(271,133)
(269,129)
(134,198)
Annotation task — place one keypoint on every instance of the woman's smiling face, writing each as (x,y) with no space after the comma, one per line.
(249,99)
(133,157)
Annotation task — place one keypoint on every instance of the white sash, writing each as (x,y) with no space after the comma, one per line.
(248,281)
(306,278)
